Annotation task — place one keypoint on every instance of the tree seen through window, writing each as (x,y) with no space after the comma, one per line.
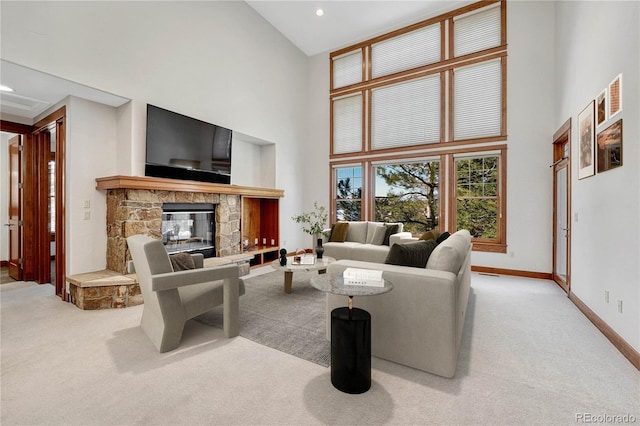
(408,193)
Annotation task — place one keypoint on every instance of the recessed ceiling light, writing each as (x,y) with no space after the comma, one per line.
(4,88)
(319,12)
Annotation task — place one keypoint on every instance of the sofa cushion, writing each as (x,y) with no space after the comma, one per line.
(182,261)
(357,232)
(339,232)
(442,237)
(449,255)
(430,235)
(340,250)
(371,229)
(391,229)
(369,253)
(414,254)
(378,235)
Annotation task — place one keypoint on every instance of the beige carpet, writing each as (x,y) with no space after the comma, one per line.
(528,357)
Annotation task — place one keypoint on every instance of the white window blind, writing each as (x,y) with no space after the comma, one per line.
(406,51)
(477,31)
(347,124)
(347,69)
(406,114)
(477,107)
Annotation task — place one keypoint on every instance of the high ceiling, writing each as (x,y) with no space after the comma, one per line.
(343,23)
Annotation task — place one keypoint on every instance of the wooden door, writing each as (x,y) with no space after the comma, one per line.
(15,208)
(562,207)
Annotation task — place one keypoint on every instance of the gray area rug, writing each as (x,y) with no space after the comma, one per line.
(292,323)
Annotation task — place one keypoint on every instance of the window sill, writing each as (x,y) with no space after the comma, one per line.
(489,247)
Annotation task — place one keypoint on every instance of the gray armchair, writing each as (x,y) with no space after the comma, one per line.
(171,298)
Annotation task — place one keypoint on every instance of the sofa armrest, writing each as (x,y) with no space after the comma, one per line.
(400,237)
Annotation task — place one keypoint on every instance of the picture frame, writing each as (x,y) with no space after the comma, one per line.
(610,147)
(601,108)
(615,96)
(586,141)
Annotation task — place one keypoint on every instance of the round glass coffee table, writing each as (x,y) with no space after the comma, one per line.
(350,333)
(320,265)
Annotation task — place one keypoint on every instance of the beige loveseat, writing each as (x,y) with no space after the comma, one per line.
(419,323)
(361,242)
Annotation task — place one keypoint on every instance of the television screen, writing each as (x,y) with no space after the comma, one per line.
(180,147)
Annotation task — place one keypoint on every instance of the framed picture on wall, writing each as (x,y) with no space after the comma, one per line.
(586,141)
(615,96)
(610,147)
(601,108)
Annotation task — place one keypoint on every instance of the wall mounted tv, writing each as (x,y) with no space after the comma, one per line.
(180,147)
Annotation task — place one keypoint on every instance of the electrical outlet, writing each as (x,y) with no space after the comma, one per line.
(620,306)
(606,296)
(87,215)
(86,204)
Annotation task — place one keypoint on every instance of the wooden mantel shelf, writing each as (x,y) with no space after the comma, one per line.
(161,184)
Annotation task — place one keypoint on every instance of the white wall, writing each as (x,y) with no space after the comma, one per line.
(595,41)
(216,61)
(90,153)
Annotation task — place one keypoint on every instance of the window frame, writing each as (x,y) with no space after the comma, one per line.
(499,244)
(448,146)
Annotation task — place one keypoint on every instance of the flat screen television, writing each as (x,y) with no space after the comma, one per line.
(181,147)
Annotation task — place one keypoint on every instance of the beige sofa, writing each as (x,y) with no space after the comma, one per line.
(360,244)
(419,323)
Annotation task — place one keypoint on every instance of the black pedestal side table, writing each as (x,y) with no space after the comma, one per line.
(350,334)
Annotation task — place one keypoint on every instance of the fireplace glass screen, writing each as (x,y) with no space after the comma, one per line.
(188,229)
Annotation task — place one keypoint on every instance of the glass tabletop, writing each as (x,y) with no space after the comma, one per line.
(291,267)
(334,283)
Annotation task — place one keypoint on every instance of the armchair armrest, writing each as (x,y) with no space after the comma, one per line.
(174,280)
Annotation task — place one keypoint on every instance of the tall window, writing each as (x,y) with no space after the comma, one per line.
(348,192)
(432,90)
(477,196)
(408,193)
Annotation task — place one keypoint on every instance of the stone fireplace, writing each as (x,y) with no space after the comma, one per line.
(139,211)
(135,206)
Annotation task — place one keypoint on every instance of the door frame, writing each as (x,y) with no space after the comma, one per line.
(562,159)
(33,213)
(41,157)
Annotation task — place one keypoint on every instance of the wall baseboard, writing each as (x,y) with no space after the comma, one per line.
(625,348)
(514,272)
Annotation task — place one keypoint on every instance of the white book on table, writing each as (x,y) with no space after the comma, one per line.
(366,277)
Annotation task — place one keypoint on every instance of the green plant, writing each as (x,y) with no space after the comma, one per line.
(313,223)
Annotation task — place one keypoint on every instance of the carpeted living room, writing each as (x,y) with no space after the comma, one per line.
(532,306)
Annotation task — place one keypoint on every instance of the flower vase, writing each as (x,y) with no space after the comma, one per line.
(319,249)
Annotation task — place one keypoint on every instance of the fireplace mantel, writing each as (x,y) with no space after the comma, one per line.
(161,184)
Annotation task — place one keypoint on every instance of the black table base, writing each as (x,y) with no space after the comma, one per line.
(351,350)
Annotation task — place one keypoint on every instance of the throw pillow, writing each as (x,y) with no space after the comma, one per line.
(378,235)
(339,232)
(442,237)
(414,254)
(430,235)
(181,262)
(391,229)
